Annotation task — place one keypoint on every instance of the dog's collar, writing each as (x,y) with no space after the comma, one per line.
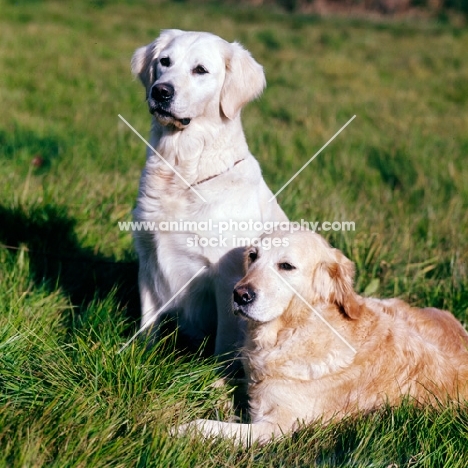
(216,175)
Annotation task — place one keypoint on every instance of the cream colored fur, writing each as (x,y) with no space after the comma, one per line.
(199,133)
(300,371)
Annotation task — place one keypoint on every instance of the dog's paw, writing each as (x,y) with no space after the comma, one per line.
(198,427)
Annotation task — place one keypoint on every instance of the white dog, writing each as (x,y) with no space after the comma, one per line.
(207,181)
(315,350)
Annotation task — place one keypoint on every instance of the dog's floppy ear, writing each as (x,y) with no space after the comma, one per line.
(334,283)
(244,80)
(142,60)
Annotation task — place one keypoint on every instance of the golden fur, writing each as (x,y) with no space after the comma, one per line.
(300,370)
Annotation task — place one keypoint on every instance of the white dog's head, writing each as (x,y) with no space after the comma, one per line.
(314,271)
(192,74)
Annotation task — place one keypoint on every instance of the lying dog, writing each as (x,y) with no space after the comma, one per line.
(196,85)
(315,350)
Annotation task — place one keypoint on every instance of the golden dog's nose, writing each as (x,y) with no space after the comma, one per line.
(244,295)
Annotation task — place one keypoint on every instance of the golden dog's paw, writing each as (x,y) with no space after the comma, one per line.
(198,427)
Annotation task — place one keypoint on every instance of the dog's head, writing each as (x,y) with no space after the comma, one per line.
(193,74)
(302,269)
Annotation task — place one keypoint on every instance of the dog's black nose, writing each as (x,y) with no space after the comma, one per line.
(162,92)
(243,295)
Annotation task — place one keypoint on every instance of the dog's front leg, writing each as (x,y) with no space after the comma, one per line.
(147,279)
(245,434)
(149,303)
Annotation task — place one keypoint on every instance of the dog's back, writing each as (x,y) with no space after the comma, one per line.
(428,355)
(436,326)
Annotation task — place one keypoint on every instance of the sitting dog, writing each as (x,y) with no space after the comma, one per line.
(316,350)
(204,177)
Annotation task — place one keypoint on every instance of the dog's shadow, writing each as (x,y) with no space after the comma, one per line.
(57,260)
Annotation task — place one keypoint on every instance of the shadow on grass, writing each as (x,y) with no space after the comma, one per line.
(57,260)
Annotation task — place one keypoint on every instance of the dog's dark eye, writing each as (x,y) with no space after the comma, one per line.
(200,70)
(286,266)
(165,61)
(252,256)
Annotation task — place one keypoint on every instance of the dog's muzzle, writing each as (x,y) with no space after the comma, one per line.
(159,102)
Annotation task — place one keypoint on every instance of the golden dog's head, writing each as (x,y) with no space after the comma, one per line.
(303,268)
(189,74)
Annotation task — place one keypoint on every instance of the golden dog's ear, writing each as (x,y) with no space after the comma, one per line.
(142,60)
(244,80)
(335,284)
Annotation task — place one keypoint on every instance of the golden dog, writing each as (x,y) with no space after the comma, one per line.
(316,350)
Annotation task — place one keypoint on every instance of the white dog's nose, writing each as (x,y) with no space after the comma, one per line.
(162,92)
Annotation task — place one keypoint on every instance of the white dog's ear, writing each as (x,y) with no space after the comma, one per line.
(333,282)
(244,80)
(142,60)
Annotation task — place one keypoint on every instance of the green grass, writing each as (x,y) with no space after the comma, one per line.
(68,291)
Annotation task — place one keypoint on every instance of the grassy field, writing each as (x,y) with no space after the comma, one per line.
(69,172)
